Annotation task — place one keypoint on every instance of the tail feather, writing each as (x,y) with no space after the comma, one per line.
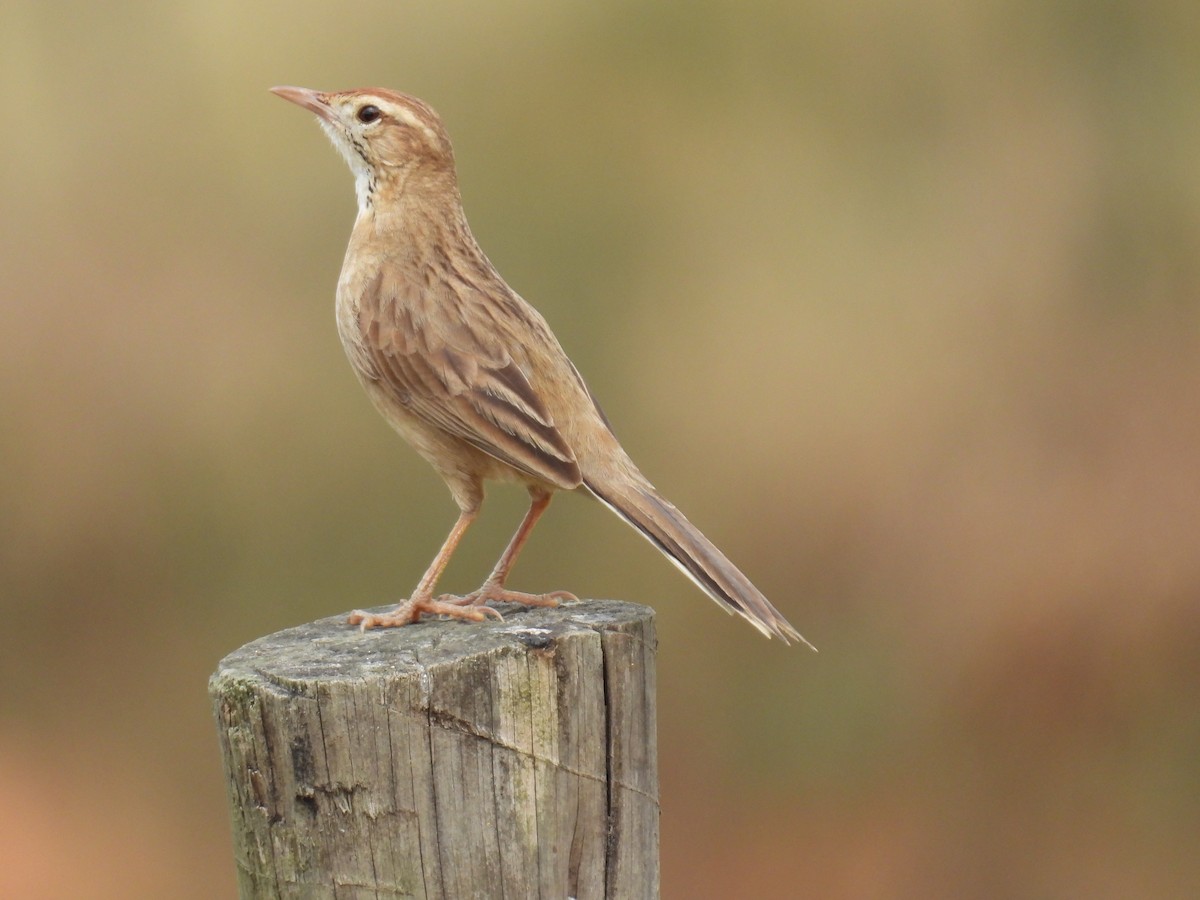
(638,503)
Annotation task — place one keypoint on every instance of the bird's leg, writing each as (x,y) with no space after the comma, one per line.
(422,600)
(493,588)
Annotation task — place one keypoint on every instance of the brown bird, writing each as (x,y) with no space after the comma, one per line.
(469,373)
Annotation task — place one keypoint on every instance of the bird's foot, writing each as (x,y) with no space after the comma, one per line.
(410,611)
(492,593)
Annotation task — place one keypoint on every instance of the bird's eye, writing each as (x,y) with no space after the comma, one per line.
(368,114)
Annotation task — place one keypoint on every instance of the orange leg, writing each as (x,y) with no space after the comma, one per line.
(493,588)
(422,598)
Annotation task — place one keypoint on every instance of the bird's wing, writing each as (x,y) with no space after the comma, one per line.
(458,376)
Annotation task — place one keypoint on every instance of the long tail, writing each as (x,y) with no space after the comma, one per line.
(637,502)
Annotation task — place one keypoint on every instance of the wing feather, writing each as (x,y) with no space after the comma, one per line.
(462,380)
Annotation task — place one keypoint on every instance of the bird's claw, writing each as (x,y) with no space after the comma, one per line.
(410,611)
(493,594)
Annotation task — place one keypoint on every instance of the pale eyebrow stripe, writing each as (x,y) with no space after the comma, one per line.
(406,116)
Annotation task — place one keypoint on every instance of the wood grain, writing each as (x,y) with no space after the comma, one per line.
(446,760)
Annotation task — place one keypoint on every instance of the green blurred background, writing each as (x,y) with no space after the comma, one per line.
(900,301)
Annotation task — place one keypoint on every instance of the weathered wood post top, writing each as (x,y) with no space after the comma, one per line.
(446,759)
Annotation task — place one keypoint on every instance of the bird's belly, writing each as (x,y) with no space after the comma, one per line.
(452,457)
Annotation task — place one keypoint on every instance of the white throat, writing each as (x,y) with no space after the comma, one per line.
(363,185)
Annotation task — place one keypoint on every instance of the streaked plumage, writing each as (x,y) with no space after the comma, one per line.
(468,372)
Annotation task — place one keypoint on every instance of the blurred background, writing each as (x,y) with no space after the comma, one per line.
(899,301)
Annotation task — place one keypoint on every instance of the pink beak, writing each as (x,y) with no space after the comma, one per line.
(313,101)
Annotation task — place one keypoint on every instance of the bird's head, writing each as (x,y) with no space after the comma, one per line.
(386,137)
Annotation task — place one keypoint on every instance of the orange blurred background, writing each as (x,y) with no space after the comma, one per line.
(899,301)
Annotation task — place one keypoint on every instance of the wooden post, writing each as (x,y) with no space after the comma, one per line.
(445,759)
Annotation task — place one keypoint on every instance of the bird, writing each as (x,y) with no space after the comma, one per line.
(470,374)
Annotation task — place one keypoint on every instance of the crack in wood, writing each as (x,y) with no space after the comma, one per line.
(554,761)
(450,722)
